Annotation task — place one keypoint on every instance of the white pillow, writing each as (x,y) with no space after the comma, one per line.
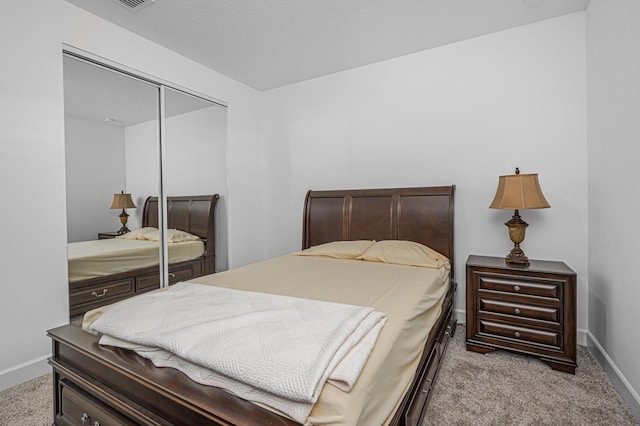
(138,234)
(338,249)
(402,252)
(178,236)
(152,234)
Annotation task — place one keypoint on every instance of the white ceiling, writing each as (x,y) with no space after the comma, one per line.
(271,43)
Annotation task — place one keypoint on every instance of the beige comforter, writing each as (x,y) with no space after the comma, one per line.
(98,258)
(409,296)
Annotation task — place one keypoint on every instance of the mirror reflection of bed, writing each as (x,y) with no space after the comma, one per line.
(107,270)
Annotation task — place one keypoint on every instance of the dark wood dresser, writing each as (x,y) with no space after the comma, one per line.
(527,310)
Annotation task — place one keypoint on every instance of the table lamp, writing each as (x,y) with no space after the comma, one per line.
(518,192)
(123,201)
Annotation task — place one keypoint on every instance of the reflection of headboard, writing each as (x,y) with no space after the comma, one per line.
(191,213)
(424,215)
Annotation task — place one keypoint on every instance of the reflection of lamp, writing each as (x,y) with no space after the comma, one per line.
(518,192)
(123,201)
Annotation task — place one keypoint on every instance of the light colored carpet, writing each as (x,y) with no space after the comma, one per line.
(28,404)
(502,388)
(498,388)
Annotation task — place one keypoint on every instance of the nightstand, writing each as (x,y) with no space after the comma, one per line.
(527,310)
(107,235)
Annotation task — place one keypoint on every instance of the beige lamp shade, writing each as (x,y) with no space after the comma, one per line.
(122,201)
(519,192)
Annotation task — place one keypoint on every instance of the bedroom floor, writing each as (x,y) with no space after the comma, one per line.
(471,389)
(502,388)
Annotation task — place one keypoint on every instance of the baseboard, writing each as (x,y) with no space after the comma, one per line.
(24,372)
(616,377)
(581,337)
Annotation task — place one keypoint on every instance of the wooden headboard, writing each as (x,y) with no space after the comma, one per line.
(423,215)
(191,213)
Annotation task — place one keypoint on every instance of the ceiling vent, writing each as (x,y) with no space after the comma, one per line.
(134,5)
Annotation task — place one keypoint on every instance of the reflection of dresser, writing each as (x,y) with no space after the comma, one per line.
(527,310)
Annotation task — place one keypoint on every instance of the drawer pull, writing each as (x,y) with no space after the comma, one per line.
(85,418)
(426,390)
(517,334)
(516,288)
(172,275)
(104,292)
(516,310)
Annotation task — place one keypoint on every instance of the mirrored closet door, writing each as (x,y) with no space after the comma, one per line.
(195,159)
(141,158)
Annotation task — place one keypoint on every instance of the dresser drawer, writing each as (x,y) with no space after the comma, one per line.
(522,334)
(183,274)
(147,282)
(101,293)
(522,285)
(550,314)
(152,281)
(79,408)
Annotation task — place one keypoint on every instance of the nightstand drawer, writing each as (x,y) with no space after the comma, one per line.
(520,310)
(530,287)
(523,334)
(107,235)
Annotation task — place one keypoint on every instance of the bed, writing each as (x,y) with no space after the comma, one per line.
(105,271)
(113,384)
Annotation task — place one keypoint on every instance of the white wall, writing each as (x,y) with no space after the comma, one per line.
(195,150)
(141,153)
(94,157)
(32,34)
(461,114)
(613,68)
(34,285)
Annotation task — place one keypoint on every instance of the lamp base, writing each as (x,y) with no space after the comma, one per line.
(123,230)
(123,220)
(517,228)
(517,257)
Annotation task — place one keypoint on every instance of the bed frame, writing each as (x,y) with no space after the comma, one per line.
(193,214)
(107,384)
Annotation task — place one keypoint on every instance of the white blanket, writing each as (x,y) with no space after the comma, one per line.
(271,349)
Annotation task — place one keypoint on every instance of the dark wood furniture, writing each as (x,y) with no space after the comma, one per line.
(528,310)
(107,235)
(108,383)
(193,214)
